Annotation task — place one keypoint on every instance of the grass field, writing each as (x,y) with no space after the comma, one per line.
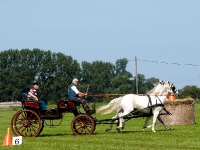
(181,137)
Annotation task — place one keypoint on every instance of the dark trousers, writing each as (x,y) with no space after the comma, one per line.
(83,102)
(43,105)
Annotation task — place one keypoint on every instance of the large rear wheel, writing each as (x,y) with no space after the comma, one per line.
(83,124)
(26,123)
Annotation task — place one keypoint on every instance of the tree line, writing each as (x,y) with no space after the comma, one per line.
(55,71)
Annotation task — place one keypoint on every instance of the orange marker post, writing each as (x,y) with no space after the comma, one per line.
(7,139)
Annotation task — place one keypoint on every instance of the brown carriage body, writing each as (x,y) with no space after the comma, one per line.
(29,122)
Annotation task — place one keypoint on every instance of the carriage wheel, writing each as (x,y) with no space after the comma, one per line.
(26,123)
(42,123)
(83,124)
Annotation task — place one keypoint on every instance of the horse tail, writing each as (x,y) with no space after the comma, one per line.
(110,107)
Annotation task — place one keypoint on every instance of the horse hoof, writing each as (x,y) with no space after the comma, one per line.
(169,129)
(148,126)
(118,130)
(118,127)
(143,130)
(107,130)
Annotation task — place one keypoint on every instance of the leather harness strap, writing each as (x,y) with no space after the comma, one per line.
(150,104)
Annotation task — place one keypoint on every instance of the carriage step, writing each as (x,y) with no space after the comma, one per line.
(50,112)
(51,124)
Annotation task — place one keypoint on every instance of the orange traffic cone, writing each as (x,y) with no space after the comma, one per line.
(171,97)
(7,139)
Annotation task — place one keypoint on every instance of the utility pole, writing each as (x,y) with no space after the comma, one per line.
(136,75)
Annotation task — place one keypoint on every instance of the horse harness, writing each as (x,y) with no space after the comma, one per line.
(157,104)
(149,106)
(161,104)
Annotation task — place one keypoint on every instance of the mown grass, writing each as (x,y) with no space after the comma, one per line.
(183,137)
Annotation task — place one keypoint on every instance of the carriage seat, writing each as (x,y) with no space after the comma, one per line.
(24,97)
(29,102)
(69,104)
(73,101)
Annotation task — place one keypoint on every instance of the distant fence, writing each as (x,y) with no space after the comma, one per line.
(10,104)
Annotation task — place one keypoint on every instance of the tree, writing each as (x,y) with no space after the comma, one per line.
(151,83)
(142,87)
(15,74)
(65,70)
(19,69)
(55,71)
(98,75)
(190,91)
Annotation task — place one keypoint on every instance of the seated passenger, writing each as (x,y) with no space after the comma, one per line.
(75,94)
(32,94)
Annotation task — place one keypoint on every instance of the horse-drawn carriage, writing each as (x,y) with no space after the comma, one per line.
(29,122)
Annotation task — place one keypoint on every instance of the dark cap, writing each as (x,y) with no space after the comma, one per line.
(35,83)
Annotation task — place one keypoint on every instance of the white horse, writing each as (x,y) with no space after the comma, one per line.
(114,105)
(144,105)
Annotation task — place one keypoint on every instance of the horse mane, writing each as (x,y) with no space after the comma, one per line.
(164,88)
(154,90)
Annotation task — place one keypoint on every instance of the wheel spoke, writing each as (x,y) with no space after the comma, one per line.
(83,124)
(26,123)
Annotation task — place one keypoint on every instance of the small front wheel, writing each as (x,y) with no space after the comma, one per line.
(26,123)
(83,124)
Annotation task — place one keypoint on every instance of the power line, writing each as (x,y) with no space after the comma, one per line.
(168,63)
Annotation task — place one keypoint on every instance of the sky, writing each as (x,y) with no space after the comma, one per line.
(163,35)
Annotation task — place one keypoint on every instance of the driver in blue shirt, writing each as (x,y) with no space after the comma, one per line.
(75,94)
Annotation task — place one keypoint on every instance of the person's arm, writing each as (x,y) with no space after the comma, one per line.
(31,94)
(80,94)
